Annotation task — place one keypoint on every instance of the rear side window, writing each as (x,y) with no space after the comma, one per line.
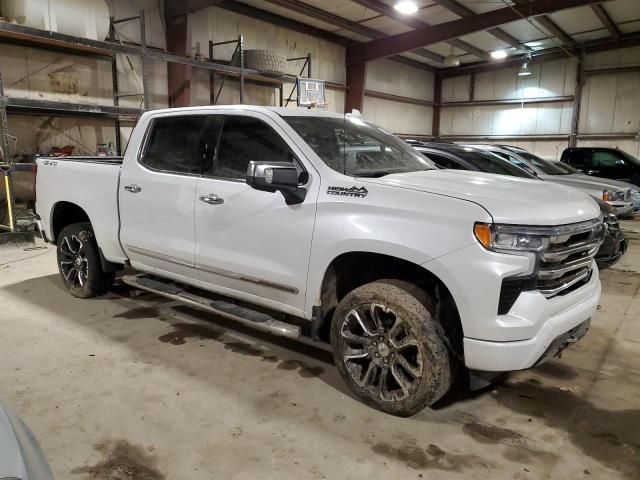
(575,158)
(174,145)
(244,139)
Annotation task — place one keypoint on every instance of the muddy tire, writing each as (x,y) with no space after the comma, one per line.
(79,262)
(387,348)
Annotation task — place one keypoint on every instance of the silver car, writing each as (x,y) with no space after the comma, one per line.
(620,198)
(21,458)
(635,190)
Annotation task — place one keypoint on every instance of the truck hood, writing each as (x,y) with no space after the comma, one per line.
(581,177)
(590,184)
(507,199)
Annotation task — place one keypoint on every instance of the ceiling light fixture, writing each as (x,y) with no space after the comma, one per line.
(406,7)
(498,54)
(451,60)
(524,69)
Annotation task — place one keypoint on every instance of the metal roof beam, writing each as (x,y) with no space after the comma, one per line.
(549,25)
(327,17)
(406,41)
(464,12)
(388,11)
(606,19)
(594,46)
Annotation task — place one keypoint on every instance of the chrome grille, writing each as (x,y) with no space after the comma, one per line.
(622,195)
(611,222)
(568,260)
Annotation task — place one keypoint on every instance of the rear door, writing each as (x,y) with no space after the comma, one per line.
(157,196)
(251,244)
(578,159)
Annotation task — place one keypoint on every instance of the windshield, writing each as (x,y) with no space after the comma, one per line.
(492,163)
(354,147)
(544,165)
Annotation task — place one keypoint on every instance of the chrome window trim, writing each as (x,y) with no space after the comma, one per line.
(144,147)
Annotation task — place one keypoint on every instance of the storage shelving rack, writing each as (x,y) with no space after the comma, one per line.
(107,50)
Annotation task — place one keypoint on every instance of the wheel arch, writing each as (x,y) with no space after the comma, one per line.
(353,269)
(63,214)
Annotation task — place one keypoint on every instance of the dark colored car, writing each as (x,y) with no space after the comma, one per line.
(604,162)
(457,157)
(614,243)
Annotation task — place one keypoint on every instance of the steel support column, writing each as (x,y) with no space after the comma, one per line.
(179,76)
(577,103)
(437,102)
(356,79)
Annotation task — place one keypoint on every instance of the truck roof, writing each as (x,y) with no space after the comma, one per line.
(282,111)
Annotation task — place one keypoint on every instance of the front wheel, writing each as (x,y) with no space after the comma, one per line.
(79,262)
(387,348)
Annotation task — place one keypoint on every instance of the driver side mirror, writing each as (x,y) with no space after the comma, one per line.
(276,177)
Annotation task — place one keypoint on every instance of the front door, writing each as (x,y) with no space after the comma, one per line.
(251,244)
(610,164)
(157,195)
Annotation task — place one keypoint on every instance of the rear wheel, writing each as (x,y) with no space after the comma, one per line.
(387,347)
(79,262)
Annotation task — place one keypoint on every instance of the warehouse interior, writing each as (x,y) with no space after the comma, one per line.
(133,385)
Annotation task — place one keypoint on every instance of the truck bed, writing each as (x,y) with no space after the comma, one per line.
(87,159)
(91,182)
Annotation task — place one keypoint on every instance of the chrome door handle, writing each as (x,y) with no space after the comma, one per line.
(133,188)
(211,199)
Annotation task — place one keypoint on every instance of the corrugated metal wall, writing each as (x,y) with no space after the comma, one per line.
(386,76)
(610,104)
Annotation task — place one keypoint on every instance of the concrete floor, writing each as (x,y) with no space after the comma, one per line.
(133,387)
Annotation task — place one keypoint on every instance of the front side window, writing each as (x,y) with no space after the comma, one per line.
(174,145)
(630,159)
(605,158)
(244,139)
(356,148)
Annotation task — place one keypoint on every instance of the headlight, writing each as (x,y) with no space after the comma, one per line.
(508,238)
(608,196)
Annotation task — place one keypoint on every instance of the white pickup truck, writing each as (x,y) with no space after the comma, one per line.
(324,227)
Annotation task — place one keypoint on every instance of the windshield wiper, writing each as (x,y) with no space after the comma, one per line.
(372,174)
(382,173)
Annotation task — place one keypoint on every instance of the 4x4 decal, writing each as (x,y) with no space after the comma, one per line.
(358,192)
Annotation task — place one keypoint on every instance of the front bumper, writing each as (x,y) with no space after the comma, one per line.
(623,209)
(563,314)
(515,340)
(611,250)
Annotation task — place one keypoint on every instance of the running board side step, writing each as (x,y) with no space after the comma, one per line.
(246,316)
